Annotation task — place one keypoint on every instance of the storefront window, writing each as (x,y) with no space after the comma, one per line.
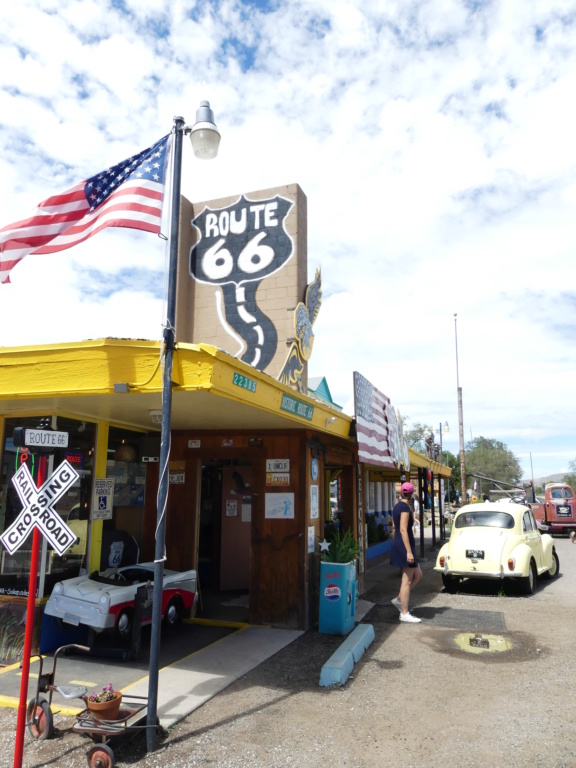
(123,527)
(73,506)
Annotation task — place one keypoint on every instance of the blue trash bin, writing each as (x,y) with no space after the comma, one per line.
(338,590)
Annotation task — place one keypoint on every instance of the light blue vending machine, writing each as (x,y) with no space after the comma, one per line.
(338,589)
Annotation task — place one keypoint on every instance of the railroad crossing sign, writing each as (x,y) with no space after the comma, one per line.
(37,509)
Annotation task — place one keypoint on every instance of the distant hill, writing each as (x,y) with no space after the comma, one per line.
(548,479)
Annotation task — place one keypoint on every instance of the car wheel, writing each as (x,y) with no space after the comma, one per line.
(553,572)
(40,720)
(124,624)
(174,612)
(451,583)
(529,582)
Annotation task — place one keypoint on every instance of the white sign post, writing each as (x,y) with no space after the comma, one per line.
(37,516)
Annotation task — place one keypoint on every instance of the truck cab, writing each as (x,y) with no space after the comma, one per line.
(557,513)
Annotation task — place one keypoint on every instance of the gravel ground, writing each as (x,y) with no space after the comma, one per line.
(416,699)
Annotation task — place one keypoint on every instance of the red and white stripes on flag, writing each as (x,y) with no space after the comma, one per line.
(376,425)
(129,194)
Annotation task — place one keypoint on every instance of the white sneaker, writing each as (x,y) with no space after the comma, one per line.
(409,618)
(396,603)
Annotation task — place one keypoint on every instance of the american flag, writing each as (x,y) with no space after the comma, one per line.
(129,194)
(376,425)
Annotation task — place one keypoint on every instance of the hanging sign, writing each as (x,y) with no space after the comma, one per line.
(40,438)
(37,509)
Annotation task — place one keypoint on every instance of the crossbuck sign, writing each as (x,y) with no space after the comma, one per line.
(37,509)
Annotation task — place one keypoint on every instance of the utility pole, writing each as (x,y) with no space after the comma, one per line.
(460,419)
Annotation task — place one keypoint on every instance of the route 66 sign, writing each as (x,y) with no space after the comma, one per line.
(239,246)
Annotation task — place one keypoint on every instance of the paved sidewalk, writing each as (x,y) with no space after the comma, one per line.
(186,684)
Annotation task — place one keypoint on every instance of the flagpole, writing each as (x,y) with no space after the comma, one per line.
(168,341)
(205,140)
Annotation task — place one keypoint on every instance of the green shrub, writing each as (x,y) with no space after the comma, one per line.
(342,549)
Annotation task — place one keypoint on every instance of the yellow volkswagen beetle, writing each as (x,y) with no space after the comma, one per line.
(496,541)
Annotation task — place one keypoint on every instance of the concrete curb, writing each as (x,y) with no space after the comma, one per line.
(339,666)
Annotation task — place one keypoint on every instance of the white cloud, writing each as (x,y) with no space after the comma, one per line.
(434,141)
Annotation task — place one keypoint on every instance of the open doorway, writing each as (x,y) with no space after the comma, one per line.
(224,539)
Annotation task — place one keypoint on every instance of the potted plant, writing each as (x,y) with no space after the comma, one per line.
(105,704)
(339,549)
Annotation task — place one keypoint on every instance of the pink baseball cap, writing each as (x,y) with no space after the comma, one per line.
(407,488)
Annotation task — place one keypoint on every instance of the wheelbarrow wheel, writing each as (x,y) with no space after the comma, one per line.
(101,757)
(40,720)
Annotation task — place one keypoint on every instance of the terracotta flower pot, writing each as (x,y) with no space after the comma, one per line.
(105,710)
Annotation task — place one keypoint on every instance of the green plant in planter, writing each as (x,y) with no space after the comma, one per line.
(341,549)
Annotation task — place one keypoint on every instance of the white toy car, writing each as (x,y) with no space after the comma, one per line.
(106,600)
(496,541)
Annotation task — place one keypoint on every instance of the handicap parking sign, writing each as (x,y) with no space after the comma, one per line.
(102,499)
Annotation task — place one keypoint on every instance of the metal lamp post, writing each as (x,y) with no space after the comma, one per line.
(205,140)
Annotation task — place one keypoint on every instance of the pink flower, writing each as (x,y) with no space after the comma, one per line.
(106,694)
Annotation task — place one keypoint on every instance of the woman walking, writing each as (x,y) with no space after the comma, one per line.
(403,552)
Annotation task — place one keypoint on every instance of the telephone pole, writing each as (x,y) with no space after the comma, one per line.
(460,419)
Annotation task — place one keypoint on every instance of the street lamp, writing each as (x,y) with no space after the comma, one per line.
(447,428)
(205,140)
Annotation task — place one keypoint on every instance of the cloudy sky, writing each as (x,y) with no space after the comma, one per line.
(435,141)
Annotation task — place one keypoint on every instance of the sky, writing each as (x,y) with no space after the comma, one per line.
(435,141)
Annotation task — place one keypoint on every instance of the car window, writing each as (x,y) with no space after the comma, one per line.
(125,576)
(486,519)
(137,574)
(526,522)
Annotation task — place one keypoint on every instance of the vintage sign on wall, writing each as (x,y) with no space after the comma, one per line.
(279,506)
(243,268)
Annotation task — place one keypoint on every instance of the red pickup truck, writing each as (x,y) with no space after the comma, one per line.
(558,512)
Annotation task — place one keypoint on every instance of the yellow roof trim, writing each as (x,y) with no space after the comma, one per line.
(79,378)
